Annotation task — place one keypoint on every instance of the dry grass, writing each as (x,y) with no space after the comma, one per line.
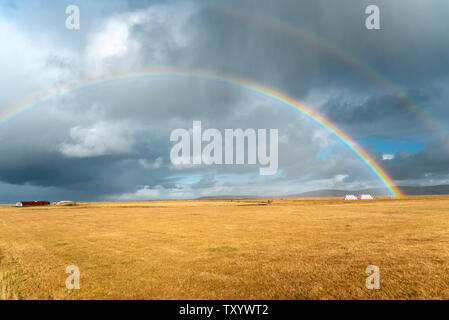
(241,249)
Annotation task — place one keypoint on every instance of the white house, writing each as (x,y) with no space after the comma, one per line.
(365,197)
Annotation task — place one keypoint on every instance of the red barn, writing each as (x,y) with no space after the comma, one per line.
(32,203)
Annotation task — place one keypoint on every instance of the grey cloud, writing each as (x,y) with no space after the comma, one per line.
(144,111)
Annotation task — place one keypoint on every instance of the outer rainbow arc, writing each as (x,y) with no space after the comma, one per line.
(269,92)
(296,32)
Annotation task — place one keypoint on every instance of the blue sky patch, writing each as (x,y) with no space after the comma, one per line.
(392,146)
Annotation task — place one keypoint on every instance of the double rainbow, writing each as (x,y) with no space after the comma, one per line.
(243,83)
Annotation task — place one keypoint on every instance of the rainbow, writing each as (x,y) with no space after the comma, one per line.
(357,63)
(243,83)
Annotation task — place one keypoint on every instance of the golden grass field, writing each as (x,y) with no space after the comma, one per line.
(240,249)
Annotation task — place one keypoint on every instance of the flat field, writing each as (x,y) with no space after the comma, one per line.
(228,249)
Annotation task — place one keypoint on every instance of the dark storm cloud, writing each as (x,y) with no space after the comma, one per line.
(111,140)
(392,113)
(429,164)
(236,43)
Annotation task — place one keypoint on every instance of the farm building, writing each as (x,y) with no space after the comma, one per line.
(65,203)
(350,197)
(365,197)
(32,203)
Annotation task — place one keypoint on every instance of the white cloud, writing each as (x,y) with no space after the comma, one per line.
(340,177)
(115,47)
(29,68)
(387,156)
(156,193)
(146,193)
(100,139)
(155,165)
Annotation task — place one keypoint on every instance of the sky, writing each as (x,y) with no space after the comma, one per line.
(111,141)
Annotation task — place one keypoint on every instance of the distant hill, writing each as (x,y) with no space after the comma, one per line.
(228,197)
(410,191)
(429,190)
